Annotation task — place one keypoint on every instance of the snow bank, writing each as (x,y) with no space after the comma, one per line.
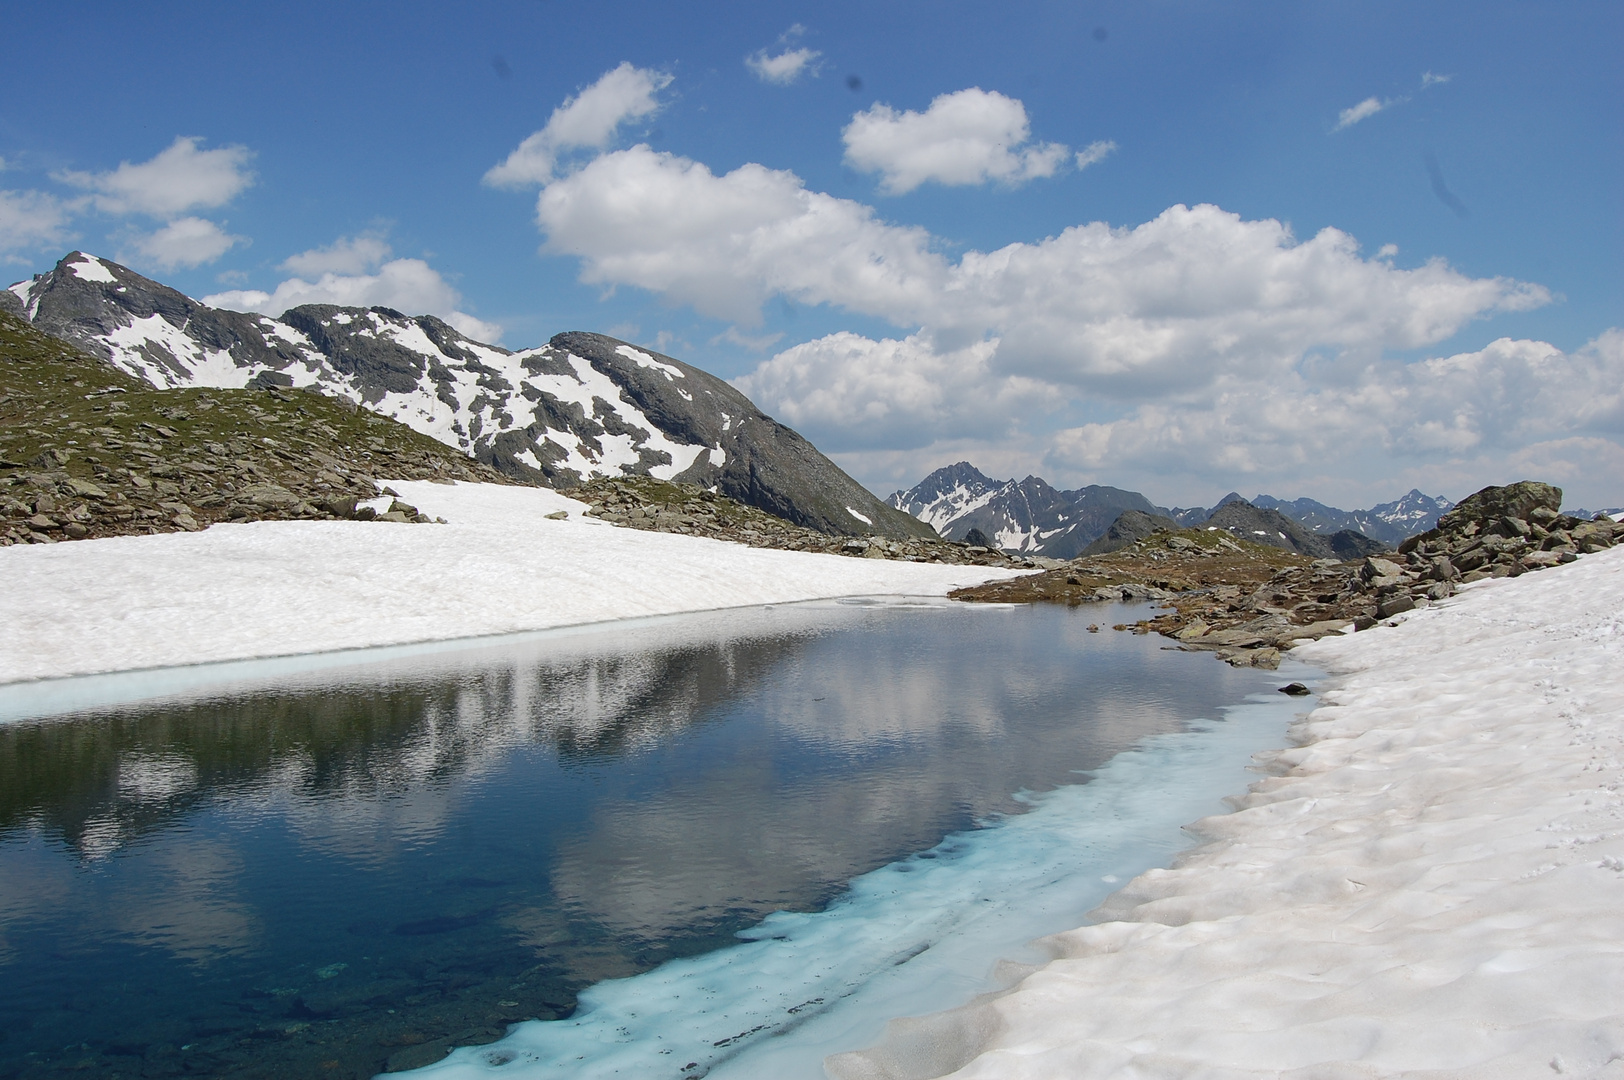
(1430,884)
(280,588)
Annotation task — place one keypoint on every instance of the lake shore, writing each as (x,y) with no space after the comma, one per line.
(1427,883)
(500,565)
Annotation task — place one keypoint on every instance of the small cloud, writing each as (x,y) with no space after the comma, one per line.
(1387,251)
(346,255)
(966,137)
(185,243)
(178,179)
(759,343)
(1429,78)
(1094,153)
(788,65)
(232,277)
(587,120)
(1362,111)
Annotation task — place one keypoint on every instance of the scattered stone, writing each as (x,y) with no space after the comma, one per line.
(1295,689)
(1246,602)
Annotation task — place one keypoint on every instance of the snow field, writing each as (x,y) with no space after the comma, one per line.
(280,588)
(1429,884)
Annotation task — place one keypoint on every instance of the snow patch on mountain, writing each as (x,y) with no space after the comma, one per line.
(91,269)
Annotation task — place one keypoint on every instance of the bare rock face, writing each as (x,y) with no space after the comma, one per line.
(1240,518)
(1130,525)
(1516,501)
(580,407)
(1506,531)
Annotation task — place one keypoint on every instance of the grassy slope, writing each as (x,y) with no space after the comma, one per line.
(86,450)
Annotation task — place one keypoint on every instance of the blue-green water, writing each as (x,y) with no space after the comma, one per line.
(337,869)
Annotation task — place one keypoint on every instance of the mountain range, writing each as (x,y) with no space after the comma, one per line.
(581,406)
(1032,516)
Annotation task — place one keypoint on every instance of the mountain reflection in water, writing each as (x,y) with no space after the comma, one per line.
(359,866)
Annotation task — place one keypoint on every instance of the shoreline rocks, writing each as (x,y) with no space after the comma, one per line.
(1248,603)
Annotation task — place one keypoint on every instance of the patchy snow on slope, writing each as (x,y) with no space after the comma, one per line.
(952,505)
(90,268)
(279,588)
(643,359)
(1429,883)
(143,347)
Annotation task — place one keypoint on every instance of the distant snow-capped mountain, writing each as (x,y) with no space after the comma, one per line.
(1016,515)
(1031,516)
(1388,522)
(580,406)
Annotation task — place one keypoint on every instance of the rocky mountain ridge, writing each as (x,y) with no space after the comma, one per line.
(579,407)
(1030,516)
(1026,516)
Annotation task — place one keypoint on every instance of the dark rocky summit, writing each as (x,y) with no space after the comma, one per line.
(579,407)
(1240,518)
(1130,525)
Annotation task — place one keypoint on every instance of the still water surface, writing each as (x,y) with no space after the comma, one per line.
(356,867)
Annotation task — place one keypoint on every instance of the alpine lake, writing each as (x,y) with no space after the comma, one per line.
(337,866)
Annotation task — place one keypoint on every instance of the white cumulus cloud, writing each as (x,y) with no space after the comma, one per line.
(787,65)
(724,244)
(966,137)
(184,243)
(178,179)
(867,393)
(1174,301)
(411,286)
(347,255)
(1197,347)
(32,219)
(588,120)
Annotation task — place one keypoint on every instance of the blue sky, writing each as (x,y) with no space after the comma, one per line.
(822,233)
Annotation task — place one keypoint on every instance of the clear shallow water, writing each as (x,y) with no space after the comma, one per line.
(355,864)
